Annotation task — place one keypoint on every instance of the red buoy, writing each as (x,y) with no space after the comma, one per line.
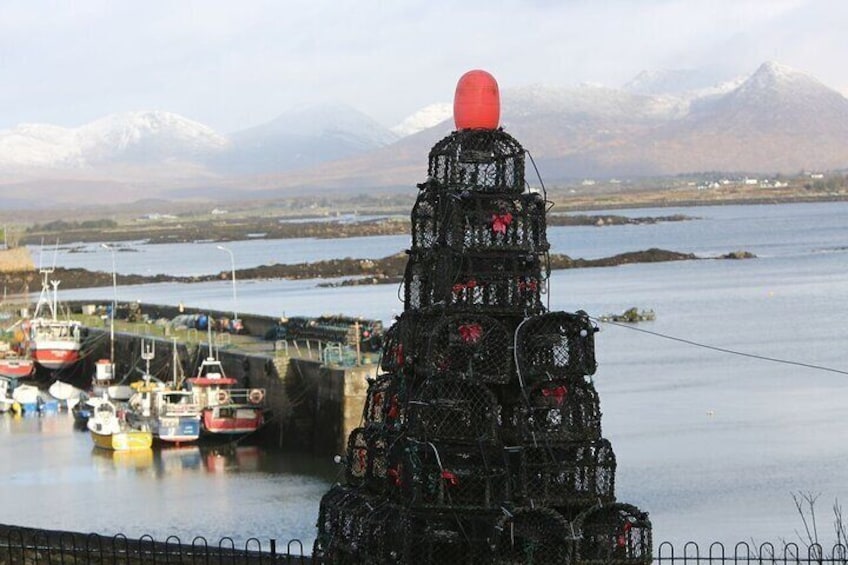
(477,102)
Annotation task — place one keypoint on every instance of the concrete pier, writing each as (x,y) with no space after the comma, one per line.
(313,403)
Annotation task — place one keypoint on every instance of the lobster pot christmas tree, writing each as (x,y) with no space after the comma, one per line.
(481,438)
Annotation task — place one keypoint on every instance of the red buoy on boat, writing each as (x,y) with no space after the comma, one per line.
(477,101)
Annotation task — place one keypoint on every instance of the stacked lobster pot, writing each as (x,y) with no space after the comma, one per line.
(481,439)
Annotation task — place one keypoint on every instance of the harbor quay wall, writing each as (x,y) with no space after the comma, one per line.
(312,405)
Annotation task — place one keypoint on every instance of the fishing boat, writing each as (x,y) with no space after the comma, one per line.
(26,396)
(13,363)
(84,409)
(6,401)
(110,431)
(169,413)
(225,410)
(54,344)
(67,394)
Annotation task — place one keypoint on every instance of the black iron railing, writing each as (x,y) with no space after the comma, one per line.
(34,546)
(744,553)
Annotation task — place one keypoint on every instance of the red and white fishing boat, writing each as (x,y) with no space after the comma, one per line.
(54,344)
(225,410)
(14,365)
(15,361)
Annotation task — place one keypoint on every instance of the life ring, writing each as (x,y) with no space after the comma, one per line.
(256,396)
(223,397)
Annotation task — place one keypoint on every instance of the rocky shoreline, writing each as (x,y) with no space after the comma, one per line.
(388,270)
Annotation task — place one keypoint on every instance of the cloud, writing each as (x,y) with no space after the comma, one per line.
(234,65)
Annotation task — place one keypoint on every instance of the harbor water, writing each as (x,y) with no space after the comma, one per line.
(733,398)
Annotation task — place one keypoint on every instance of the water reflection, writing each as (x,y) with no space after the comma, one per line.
(106,460)
(231,458)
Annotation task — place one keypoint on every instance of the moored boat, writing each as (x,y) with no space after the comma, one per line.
(67,394)
(15,365)
(54,344)
(109,431)
(6,401)
(225,410)
(169,413)
(27,397)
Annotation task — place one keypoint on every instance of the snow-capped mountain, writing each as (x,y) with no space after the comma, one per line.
(131,137)
(304,137)
(148,137)
(775,120)
(425,118)
(671,81)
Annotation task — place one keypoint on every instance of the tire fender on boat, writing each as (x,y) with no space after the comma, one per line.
(256,396)
(223,397)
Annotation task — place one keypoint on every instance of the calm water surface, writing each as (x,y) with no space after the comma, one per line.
(711,444)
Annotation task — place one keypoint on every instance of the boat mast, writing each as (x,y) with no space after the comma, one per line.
(148,351)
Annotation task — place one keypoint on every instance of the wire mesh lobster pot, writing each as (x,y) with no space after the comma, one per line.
(403,342)
(504,283)
(474,345)
(385,532)
(532,535)
(555,345)
(427,220)
(455,410)
(558,411)
(438,475)
(615,534)
(383,403)
(484,222)
(436,537)
(367,458)
(483,160)
(568,475)
(342,525)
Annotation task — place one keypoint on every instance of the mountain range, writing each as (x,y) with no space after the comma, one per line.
(777,120)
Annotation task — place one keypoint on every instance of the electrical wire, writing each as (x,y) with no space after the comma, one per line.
(722,349)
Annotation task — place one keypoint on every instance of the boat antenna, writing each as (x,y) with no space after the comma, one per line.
(175,363)
(209,331)
(148,351)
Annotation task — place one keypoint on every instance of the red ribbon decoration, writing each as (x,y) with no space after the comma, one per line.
(557,392)
(470,333)
(530,285)
(399,355)
(394,474)
(459,287)
(393,408)
(450,478)
(500,222)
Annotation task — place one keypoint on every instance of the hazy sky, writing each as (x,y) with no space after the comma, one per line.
(234,64)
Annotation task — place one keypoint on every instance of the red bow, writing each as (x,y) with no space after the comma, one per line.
(459,287)
(500,222)
(530,285)
(393,408)
(470,333)
(394,474)
(557,392)
(450,478)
